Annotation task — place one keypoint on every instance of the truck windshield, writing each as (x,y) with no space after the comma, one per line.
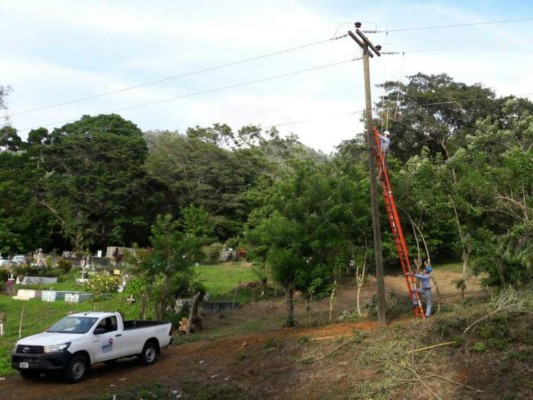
(73,325)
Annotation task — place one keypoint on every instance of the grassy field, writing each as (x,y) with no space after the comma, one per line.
(222,281)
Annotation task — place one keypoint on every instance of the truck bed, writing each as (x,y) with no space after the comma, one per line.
(137,323)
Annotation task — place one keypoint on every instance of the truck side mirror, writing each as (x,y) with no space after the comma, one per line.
(99,331)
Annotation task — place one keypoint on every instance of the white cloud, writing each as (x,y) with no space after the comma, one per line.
(60,50)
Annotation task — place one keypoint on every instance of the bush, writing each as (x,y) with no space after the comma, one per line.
(4,275)
(100,284)
(347,316)
(29,270)
(395,306)
(64,265)
(212,252)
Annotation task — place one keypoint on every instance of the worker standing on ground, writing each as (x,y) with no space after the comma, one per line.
(425,277)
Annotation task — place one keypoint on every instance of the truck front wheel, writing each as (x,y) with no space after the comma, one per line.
(77,369)
(149,353)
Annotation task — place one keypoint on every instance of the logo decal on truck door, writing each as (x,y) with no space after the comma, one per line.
(107,348)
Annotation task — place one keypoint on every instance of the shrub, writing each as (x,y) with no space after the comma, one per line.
(303,340)
(64,265)
(101,283)
(479,347)
(347,316)
(4,275)
(395,306)
(212,252)
(30,270)
(271,343)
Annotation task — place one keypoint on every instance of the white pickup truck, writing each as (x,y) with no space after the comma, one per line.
(80,340)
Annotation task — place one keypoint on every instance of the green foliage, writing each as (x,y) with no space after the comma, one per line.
(222,281)
(479,347)
(212,252)
(305,228)
(167,267)
(64,265)
(461,174)
(30,270)
(91,175)
(271,343)
(349,316)
(450,327)
(497,343)
(396,305)
(102,283)
(428,120)
(4,275)
(136,286)
(303,340)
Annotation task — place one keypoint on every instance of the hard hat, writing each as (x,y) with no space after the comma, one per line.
(429,269)
(387,133)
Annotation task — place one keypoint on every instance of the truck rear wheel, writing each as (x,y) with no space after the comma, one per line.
(77,369)
(149,353)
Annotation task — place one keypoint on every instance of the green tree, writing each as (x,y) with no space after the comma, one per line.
(307,228)
(93,180)
(507,145)
(195,169)
(24,225)
(168,264)
(435,112)
(278,238)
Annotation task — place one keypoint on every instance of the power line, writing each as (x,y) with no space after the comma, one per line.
(173,77)
(304,121)
(453,25)
(247,60)
(238,62)
(212,90)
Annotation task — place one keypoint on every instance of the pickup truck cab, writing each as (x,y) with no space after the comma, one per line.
(80,340)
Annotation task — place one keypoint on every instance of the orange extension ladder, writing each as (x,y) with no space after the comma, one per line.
(396,228)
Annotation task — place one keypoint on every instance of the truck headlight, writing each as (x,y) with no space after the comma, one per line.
(56,348)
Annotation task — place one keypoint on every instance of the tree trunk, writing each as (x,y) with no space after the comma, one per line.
(359,280)
(463,278)
(191,326)
(144,304)
(289,295)
(465,249)
(332,300)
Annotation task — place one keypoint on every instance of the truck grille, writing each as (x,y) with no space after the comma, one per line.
(24,349)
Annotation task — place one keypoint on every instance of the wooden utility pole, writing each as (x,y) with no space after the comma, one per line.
(367,47)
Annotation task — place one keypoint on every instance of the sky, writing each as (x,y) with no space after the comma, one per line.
(170,65)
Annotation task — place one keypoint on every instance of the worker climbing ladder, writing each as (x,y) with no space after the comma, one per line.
(396,228)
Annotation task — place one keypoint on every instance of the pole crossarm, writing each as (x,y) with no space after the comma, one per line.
(376,49)
(358,41)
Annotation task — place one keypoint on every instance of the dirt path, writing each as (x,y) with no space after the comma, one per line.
(218,360)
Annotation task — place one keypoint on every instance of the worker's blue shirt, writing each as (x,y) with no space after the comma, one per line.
(425,280)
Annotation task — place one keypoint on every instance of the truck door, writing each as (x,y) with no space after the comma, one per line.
(108,340)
